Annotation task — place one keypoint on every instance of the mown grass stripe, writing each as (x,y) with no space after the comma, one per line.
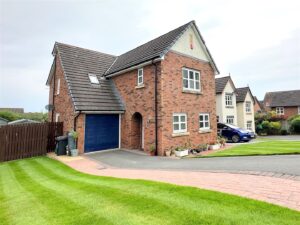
(65,213)
(191,199)
(136,205)
(16,196)
(103,197)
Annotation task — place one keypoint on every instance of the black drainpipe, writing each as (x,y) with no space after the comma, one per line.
(155,108)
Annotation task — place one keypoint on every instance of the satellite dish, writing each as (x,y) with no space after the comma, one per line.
(49,107)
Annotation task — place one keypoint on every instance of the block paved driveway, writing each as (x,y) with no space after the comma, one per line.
(277,165)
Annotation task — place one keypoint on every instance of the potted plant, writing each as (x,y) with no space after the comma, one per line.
(152,150)
(214,146)
(203,147)
(182,151)
(72,137)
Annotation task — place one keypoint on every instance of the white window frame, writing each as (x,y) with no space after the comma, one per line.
(280,111)
(247,123)
(230,118)
(180,122)
(204,121)
(228,99)
(192,81)
(140,75)
(93,78)
(58,86)
(248,107)
(57,115)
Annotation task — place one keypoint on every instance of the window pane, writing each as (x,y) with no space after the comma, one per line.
(201,117)
(197,85)
(182,118)
(185,73)
(196,76)
(206,124)
(176,126)
(175,118)
(183,126)
(185,83)
(191,74)
(201,124)
(192,84)
(206,117)
(140,79)
(140,72)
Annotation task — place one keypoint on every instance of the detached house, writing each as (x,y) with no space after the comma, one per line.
(284,103)
(226,100)
(245,108)
(160,94)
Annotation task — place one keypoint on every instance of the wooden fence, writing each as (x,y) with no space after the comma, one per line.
(28,140)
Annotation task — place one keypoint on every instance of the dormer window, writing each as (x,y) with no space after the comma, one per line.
(93,79)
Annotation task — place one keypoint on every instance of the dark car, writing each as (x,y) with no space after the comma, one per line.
(233,133)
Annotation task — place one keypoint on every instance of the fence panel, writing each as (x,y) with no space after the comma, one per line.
(28,140)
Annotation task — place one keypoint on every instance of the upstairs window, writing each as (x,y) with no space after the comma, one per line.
(204,121)
(179,123)
(249,125)
(58,87)
(248,107)
(230,119)
(140,77)
(93,79)
(228,99)
(191,80)
(279,110)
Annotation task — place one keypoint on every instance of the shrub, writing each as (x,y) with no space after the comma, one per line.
(274,127)
(10,116)
(295,125)
(265,125)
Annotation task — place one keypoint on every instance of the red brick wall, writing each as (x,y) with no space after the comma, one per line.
(175,101)
(288,111)
(62,102)
(139,100)
(170,100)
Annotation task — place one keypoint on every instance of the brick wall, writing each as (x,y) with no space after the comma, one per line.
(174,100)
(288,111)
(62,102)
(137,100)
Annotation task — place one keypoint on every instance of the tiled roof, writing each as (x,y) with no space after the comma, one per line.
(282,98)
(221,83)
(241,94)
(77,63)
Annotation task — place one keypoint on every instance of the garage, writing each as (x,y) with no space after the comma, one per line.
(101,132)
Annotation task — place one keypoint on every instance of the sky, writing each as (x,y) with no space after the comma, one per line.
(256,41)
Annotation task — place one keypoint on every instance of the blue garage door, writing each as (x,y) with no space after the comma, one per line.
(101,132)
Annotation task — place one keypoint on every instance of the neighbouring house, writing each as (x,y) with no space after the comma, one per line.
(3,121)
(226,108)
(284,103)
(245,108)
(258,105)
(158,95)
(15,110)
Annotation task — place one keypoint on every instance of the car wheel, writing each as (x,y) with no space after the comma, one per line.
(235,138)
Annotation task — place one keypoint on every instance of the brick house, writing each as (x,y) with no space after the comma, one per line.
(160,94)
(284,103)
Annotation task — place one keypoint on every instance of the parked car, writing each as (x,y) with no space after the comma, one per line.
(233,133)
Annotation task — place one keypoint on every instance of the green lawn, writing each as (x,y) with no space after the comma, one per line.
(266,147)
(44,191)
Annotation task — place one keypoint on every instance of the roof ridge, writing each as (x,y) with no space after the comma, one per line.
(86,49)
(157,37)
(282,91)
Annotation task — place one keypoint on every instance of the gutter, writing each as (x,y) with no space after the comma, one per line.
(134,67)
(155,106)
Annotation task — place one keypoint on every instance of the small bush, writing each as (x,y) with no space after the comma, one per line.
(295,126)
(274,127)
